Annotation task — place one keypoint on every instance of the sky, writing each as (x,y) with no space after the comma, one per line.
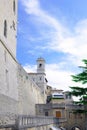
(55,30)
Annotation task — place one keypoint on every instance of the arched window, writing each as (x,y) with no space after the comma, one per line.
(14,6)
(40,65)
(5,28)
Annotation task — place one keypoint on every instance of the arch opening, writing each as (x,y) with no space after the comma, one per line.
(75,128)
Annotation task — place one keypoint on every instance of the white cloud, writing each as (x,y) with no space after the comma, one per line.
(77,44)
(74,43)
(60,38)
(56,77)
(32,6)
(30,68)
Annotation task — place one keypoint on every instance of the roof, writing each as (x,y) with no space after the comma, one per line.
(40,59)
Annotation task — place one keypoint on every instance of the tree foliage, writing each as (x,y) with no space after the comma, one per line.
(80,91)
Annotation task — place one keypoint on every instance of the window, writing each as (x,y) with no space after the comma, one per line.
(13,25)
(40,65)
(58,96)
(40,78)
(5,28)
(33,79)
(46,113)
(26,77)
(58,114)
(5,55)
(7,79)
(68,96)
(14,6)
(70,114)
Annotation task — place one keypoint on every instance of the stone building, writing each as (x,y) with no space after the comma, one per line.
(17,88)
(60,104)
(8,63)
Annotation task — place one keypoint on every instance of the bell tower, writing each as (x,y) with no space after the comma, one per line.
(41,76)
(40,65)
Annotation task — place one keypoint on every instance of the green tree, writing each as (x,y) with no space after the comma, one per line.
(80,91)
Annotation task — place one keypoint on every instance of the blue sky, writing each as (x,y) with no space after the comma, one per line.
(55,30)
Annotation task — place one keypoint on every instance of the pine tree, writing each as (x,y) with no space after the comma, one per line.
(80,91)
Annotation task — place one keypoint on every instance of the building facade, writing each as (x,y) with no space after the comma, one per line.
(16,87)
(8,24)
(8,63)
(60,105)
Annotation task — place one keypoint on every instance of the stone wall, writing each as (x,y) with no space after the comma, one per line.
(8,14)
(29,93)
(18,93)
(8,72)
(8,86)
(74,119)
(8,81)
(8,105)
